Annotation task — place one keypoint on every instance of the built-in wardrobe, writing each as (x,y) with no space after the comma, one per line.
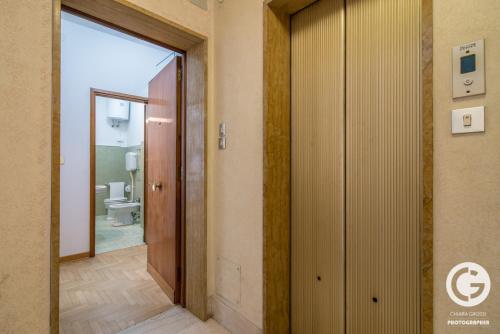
(356,167)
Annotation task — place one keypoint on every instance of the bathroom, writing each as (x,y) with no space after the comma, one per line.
(119,174)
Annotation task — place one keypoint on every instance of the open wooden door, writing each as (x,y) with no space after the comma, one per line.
(163,165)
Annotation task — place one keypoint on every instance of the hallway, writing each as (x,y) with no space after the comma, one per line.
(250,167)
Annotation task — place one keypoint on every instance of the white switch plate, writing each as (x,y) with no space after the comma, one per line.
(477,120)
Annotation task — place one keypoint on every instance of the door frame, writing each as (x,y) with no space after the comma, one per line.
(144,24)
(94,93)
(276,171)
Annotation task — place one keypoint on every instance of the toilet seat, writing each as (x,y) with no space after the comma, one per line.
(115,200)
(124,205)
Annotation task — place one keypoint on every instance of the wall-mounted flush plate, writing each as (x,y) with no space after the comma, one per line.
(468,69)
(467,120)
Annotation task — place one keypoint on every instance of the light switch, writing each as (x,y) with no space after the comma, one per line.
(61,160)
(467,120)
(222,143)
(222,129)
(222,136)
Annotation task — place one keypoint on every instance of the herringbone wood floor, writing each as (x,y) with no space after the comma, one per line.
(108,293)
(176,320)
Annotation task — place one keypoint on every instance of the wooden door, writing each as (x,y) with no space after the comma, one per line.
(163,147)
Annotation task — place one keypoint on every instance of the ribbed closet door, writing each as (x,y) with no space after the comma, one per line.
(383,172)
(317,155)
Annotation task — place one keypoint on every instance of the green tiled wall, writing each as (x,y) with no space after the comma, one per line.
(110,167)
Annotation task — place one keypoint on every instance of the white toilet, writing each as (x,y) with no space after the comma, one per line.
(118,207)
(122,213)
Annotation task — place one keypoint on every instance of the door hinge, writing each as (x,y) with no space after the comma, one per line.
(179,74)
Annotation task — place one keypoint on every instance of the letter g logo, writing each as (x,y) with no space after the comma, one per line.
(468,284)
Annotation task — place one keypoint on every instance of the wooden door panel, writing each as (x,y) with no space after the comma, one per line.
(163,163)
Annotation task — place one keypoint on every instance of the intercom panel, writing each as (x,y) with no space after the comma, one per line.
(468,69)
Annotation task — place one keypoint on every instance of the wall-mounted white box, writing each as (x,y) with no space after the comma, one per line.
(467,120)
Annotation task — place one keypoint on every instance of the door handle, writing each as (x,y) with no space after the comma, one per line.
(156,186)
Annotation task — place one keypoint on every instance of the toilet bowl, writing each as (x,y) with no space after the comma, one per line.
(116,196)
(121,213)
(111,201)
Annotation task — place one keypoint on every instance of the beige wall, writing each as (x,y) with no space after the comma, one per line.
(237,197)
(25,112)
(182,12)
(25,138)
(467,167)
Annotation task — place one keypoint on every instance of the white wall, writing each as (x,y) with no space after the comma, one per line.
(92,57)
(135,134)
(129,133)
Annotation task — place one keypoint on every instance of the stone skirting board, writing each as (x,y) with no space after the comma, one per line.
(230,318)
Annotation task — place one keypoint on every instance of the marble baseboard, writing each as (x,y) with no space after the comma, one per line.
(230,318)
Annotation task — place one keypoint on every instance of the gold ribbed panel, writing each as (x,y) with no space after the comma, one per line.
(383,176)
(317,168)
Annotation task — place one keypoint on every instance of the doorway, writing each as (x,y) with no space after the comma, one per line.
(148,27)
(136,155)
(117,171)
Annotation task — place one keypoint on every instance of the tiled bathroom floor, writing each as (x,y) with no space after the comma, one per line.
(109,238)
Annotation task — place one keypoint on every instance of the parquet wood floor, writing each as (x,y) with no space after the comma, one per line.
(176,320)
(108,293)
